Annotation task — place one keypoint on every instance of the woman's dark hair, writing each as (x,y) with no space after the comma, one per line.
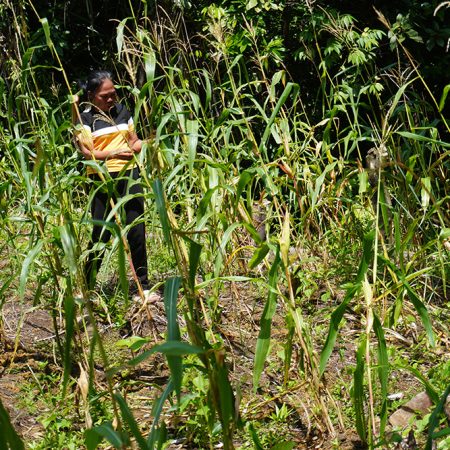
(94,81)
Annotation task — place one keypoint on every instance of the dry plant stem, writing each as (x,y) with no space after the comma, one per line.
(311,359)
(281,394)
(369,326)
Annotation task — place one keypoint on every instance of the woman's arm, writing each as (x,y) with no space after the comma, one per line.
(134,142)
(101,155)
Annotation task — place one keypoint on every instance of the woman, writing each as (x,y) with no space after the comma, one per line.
(107,136)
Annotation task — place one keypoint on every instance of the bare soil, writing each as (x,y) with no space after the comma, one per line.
(28,338)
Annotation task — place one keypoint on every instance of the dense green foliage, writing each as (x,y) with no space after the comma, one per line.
(331,118)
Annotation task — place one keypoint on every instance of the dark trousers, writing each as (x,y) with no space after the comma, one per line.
(121,186)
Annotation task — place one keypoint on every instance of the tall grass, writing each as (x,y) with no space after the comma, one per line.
(222,141)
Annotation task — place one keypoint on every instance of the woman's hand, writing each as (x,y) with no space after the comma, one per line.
(126,154)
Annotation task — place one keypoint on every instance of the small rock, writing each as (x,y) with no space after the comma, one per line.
(401,418)
(419,405)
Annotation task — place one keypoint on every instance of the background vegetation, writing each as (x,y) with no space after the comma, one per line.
(297,193)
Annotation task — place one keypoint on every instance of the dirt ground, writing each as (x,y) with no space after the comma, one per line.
(28,338)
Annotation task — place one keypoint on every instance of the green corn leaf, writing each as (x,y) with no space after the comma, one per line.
(162,211)
(46,28)
(157,409)
(431,391)
(441,433)
(263,342)
(259,254)
(208,89)
(418,304)
(134,343)
(338,313)
(105,430)
(204,202)
(255,438)
(128,418)
(195,250)
(444,97)
(383,370)
(9,439)
(245,177)
(226,403)
(34,252)
(150,65)
(433,421)
(158,437)
(92,439)
(421,138)
(384,210)
(170,303)
(173,330)
(69,247)
(290,87)
(3,289)
(397,98)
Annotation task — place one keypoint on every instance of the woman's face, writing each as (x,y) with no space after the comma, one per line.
(105,96)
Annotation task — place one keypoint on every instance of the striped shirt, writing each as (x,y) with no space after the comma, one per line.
(108,131)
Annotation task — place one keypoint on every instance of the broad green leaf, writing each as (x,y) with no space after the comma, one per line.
(418,304)
(421,138)
(128,418)
(290,87)
(263,342)
(226,397)
(9,439)
(363,178)
(134,343)
(150,64)
(34,252)
(173,330)
(105,430)
(337,314)
(259,254)
(434,420)
(69,247)
(444,97)
(245,177)
(162,210)
(156,412)
(255,438)
(383,370)
(195,250)
(46,28)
